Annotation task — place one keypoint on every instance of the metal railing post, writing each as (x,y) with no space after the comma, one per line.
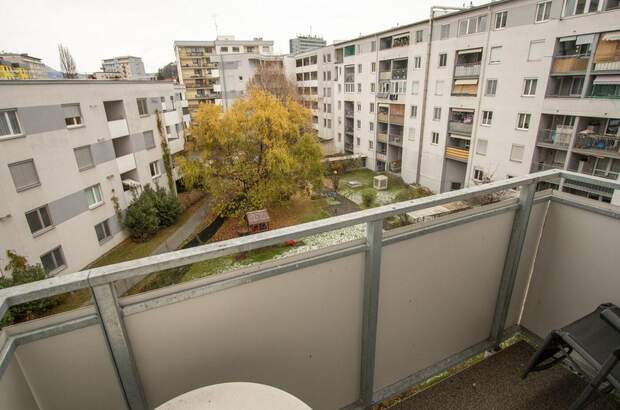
(115,333)
(511,262)
(372,270)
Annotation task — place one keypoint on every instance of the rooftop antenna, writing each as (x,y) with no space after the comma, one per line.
(215,23)
(310,30)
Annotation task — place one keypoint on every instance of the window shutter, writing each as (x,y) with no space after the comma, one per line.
(83,157)
(24,174)
(71,110)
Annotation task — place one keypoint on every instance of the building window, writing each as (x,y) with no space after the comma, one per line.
(9,124)
(496,55)
(439,87)
(371,126)
(235,49)
(419,36)
(371,107)
(373,46)
(529,87)
(500,19)
(543,10)
(370,144)
(24,175)
(359,87)
(154,167)
(478,174)
(149,139)
(359,125)
(73,116)
(516,152)
(223,49)
(537,48)
(84,158)
(417,62)
(523,122)
(413,111)
(373,67)
(359,106)
(357,141)
(103,231)
(436,113)
(491,88)
(415,87)
(339,137)
(481,148)
(443,60)
(372,87)
(53,261)
(434,138)
(487,117)
(38,219)
(445,32)
(359,68)
(143,109)
(476,24)
(93,196)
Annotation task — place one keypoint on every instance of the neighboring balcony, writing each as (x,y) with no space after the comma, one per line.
(382,137)
(382,117)
(118,128)
(171,117)
(126,163)
(458,154)
(348,147)
(175,145)
(348,113)
(559,138)
(597,145)
(569,64)
(381,156)
(457,127)
(396,139)
(542,166)
(467,70)
(397,119)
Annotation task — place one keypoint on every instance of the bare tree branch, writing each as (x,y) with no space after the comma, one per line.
(270,77)
(67,64)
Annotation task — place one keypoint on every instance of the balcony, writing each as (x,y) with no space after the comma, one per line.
(348,113)
(569,64)
(458,127)
(395,166)
(558,138)
(176,145)
(382,117)
(126,163)
(348,129)
(396,139)
(385,76)
(458,154)
(378,327)
(171,117)
(397,119)
(382,137)
(348,146)
(467,70)
(118,128)
(597,145)
(381,156)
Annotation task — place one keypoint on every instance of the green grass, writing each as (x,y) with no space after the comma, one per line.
(364,176)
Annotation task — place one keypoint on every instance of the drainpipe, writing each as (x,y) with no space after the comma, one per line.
(425,86)
(474,134)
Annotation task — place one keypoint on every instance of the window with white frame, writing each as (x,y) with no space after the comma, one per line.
(417,62)
(371,107)
(359,68)
(359,87)
(373,46)
(436,113)
(439,87)
(413,111)
(523,121)
(72,114)
(370,144)
(143,109)
(419,36)
(491,87)
(372,87)
(529,86)
(359,106)
(357,141)
(93,196)
(103,231)
(543,11)
(39,219)
(443,59)
(9,124)
(487,117)
(53,261)
(444,31)
(471,25)
(359,124)
(478,174)
(500,19)
(373,67)
(415,87)
(154,168)
(24,174)
(434,138)
(536,51)
(84,158)
(495,56)
(481,147)
(371,126)
(149,139)
(576,7)
(516,152)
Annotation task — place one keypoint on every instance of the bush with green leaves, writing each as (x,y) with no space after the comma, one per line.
(22,273)
(369,196)
(141,219)
(167,205)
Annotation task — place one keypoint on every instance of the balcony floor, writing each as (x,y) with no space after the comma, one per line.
(495,383)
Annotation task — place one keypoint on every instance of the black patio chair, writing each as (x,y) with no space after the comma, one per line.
(591,345)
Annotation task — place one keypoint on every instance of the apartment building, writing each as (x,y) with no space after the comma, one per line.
(124,68)
(23,65)
(300,44)
(478,93)
(313,74)
(217,71)
(72,153)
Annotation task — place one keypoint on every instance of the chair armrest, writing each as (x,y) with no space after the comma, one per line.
(611,318)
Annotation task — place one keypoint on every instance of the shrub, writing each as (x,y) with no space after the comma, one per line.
(141,216)
(369,196)
(167,206)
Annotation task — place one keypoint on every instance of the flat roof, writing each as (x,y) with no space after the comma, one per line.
(83,82)
(203,43)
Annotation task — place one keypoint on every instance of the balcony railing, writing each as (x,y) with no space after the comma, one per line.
(385,75)
(381,156)
(348,146)
(557,138)
(459,154)
(599,143)
(118,128)
(382,137)
(382,117)
(348,129)
(389,334)
(399,74)
(398,119)
(541,166)
(396,139)
(348,113)
(569,64)
(467,70)
(458,127)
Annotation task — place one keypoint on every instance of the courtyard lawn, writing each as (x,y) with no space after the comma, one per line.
(365,177)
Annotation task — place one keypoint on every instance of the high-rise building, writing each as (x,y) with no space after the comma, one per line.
(124,67)
(23,64)
(485,93)
(300,44)
(217,71)
(72,149)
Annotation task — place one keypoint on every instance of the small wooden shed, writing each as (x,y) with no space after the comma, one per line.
(258,221)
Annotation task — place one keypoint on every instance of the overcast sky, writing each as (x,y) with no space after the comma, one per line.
(94,30)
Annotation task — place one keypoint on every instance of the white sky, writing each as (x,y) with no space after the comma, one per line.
(95,29)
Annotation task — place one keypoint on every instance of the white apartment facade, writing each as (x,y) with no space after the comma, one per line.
(476,101)
(123,67)
(36,69)
(301,44)
(217,71)
(70,150)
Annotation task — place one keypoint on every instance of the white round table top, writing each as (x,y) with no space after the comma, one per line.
(235,396)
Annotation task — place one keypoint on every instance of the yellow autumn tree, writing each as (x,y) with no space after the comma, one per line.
(258,153)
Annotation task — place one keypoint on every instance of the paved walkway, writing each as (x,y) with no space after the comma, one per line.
(181,235)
